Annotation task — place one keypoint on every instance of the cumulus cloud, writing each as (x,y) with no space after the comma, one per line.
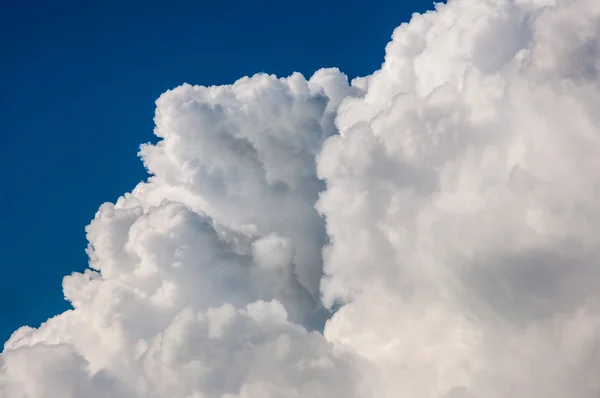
(428,231)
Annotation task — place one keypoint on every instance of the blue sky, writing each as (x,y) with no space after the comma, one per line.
(78,84)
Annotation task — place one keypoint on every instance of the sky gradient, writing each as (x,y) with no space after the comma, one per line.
(79,81)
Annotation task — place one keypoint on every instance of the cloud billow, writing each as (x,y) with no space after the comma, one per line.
(445,206)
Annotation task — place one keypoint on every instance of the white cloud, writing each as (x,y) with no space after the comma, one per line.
(458,196)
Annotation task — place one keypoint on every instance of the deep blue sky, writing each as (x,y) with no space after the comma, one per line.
(78,83)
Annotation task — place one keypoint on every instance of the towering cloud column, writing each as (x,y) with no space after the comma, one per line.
(429,231)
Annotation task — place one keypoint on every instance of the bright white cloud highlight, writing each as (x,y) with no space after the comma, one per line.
(446,207)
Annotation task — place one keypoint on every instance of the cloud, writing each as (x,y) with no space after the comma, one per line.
(440,215)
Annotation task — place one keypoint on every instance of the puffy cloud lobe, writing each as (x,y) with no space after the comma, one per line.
(252,168)
(462,203)
(52,371)
(194,274)
(253,352)
(222,352)
(445,206)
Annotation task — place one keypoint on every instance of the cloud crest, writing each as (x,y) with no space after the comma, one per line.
(446,206)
